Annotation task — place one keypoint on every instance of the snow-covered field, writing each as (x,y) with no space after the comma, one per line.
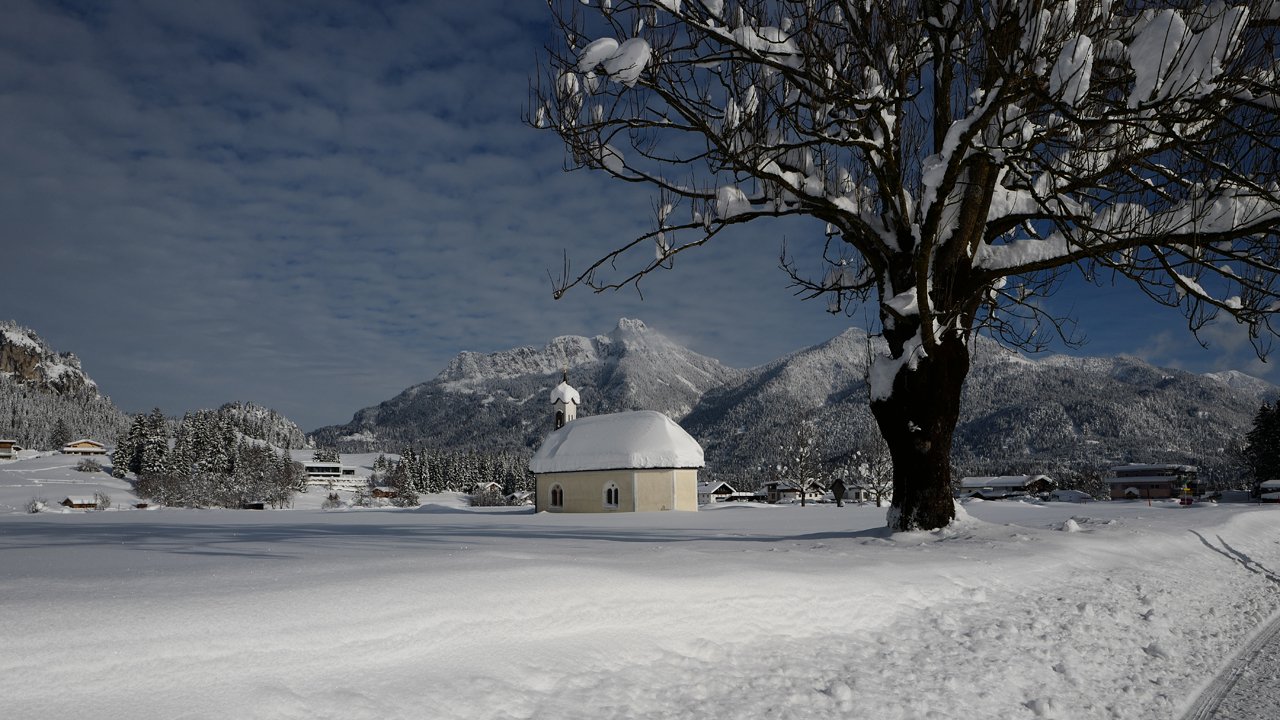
(1098,610)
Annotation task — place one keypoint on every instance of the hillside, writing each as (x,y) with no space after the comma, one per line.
(39,386)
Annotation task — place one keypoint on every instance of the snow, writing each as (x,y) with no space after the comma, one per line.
(731,201)
(622,62)
(20,339)
(565,393)
(884,368)
(51,477)
(1071,74)
(1170,60)
(1019,610)
(596,52)
(772,42)
(638,439)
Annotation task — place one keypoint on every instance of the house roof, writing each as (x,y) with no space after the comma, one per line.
(1004,481)
(83,441)
(564,393)
(620,441)
(710,487)
(1156,467)
(1270,485)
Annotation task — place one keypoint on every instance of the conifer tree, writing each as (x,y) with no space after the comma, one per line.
(61,434)
(1262,452)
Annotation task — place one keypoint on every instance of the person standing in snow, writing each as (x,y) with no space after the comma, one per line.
(837,491)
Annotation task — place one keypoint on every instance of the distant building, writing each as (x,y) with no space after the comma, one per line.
(79,503)
(1003,486)
(84,446)
(788,491)
(488,486)
(719,491)
(320,472)
(9,449)
(624,462)
(1269,491)
(1153,482)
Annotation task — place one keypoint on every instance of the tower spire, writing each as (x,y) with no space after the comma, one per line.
(564,401)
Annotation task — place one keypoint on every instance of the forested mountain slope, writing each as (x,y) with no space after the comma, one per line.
(39,387)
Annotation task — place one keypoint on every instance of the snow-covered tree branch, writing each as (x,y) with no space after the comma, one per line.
(962,156)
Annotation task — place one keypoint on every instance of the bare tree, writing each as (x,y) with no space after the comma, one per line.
(798,461)
(870,467)
(961,157)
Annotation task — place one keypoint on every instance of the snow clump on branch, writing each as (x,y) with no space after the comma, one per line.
(621,62)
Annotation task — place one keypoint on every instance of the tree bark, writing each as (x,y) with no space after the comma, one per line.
(918,421)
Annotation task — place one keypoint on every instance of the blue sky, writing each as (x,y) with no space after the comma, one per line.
(313,205)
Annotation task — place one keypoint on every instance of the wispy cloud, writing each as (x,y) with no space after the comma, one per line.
(314,205)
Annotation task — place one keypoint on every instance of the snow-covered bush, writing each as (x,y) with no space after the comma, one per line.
(101,501)
(89,465)
(35,505)
(488,497)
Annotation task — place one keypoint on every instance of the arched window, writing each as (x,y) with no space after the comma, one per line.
(611,495)
(557,496)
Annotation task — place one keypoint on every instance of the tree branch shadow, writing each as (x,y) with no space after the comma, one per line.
(1240,558)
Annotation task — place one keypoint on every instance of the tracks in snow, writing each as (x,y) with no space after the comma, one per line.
(1206,705)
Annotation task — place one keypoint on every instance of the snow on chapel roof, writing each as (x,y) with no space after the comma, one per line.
(626,440)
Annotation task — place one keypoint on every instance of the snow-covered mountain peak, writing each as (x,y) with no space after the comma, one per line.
(626,325)
(1245,383)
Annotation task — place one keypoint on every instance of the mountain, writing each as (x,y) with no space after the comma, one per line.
(498,400)
(39,387)
(1069,417)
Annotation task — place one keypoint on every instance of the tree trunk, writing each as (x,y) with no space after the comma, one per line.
(918,420)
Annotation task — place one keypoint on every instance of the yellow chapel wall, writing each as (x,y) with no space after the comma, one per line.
(645,490)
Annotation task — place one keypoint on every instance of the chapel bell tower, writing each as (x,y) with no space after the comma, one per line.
(564,401)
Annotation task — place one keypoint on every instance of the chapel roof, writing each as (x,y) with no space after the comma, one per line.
(619,441)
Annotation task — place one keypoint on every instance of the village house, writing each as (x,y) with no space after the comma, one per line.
(1269,491)
(788,491)
(637,461)
(9,449)
(84,446)
(521,497)
(488,486)
(1005,486)
(79,503)
(1153,482)
(718,491)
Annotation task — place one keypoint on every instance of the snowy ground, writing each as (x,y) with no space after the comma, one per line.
(1099,610)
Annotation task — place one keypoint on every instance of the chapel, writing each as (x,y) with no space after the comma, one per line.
(637,461)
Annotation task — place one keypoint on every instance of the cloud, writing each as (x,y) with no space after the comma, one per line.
(315,205)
